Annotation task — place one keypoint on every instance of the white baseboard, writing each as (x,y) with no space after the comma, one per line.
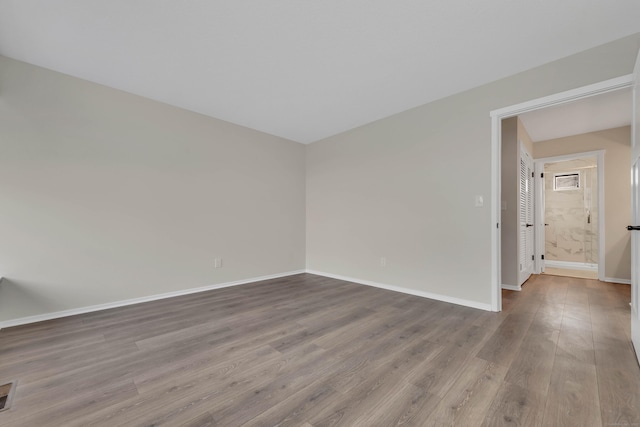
(116,304)
(438,297)
(614,280)
(512,287)
(585,266)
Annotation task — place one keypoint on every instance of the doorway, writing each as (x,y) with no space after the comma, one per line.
(497,116)
(570,211)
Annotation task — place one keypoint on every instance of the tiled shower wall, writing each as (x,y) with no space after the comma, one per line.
(572,215)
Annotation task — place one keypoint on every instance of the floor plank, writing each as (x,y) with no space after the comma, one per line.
(573,395)
(618,383)
(514,405)
(504,343)
(531,368)
(469,399)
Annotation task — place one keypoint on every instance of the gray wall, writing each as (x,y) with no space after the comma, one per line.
(107,196)
(510,198)
(403,187)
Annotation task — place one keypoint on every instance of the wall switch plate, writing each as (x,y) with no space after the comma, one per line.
(479,201)
(217,263)
(383,262)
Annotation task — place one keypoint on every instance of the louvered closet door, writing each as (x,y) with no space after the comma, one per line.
(525,214)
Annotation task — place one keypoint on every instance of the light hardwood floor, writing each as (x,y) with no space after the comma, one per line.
(582,274)
(311,351)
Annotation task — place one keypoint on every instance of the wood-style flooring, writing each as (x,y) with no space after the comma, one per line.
(582,274)
(311,351)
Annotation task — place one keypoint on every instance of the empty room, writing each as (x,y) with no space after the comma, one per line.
(290,213)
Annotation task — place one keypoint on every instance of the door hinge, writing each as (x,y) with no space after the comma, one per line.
(533,175)
(533,257)
(541,256)
(542,175)
(497,225)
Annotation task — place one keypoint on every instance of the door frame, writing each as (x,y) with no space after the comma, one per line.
(539,205)
(583,92)
(635,213)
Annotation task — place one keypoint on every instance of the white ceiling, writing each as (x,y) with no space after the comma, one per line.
(302,69)
(610,110)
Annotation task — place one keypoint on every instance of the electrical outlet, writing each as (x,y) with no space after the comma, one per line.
(383,262)
(217,263)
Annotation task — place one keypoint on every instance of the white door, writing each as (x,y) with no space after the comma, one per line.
(525,215)
(542,226)
(635,211)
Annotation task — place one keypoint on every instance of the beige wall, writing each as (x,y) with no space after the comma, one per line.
(106,196)
(523,136)
(404,187)
(617,211)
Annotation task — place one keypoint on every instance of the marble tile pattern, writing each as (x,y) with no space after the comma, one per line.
(572,215)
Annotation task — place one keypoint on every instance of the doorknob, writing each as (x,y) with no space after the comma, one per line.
(633,227)
(546,225)
(531,225)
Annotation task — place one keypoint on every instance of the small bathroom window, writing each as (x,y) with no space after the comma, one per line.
(566,181)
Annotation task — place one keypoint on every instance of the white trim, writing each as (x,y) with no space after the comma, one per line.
(496,214)
(620,281)
(539,206)
(584,266)
(635,190)
(438,297)
(116,304)
(599,88)
(572,156)
(599,155)
(496,143)
(512,287)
